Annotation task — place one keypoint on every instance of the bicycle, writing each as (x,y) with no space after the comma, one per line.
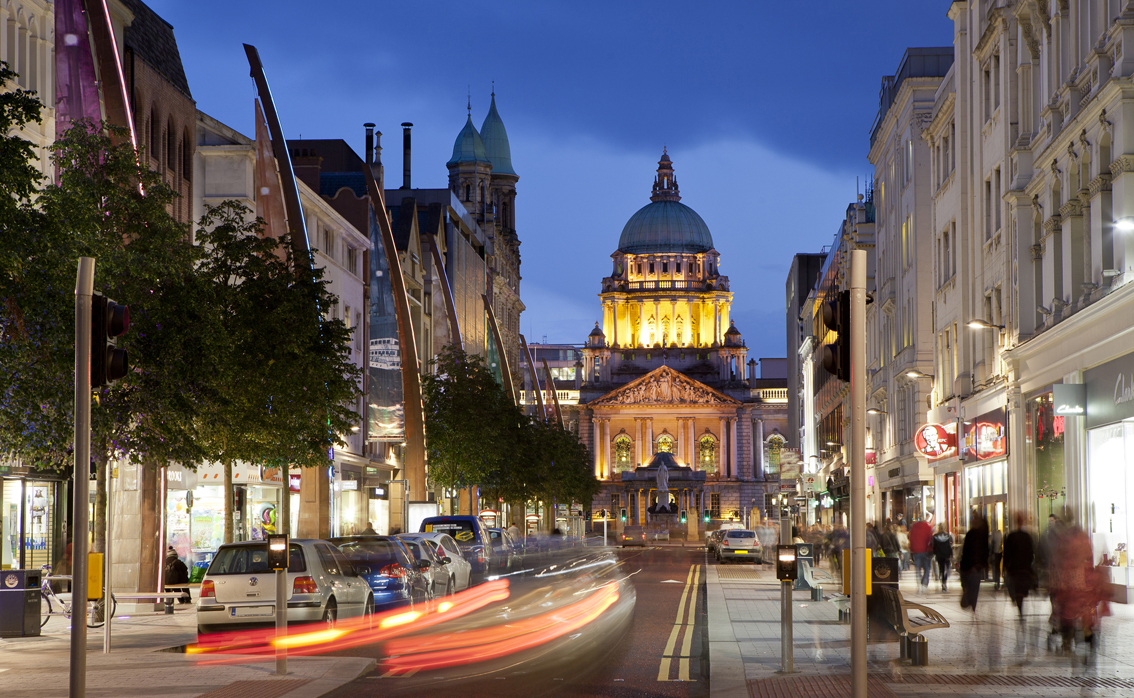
(96,616)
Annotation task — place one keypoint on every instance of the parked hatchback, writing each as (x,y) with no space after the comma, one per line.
(507,549)
(739,544)
(389,568)
(239,591)
(471,535)
(459,569)
(435,574)
(633,535)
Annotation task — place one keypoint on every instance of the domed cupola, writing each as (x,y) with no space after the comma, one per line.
(469,146)
(496,146)
(665,225)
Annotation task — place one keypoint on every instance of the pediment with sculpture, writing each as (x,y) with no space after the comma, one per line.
(665,386)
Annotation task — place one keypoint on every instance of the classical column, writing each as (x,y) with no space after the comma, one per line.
(641,324)
(693,443)
(598,439)
(649,437)
(722,447)
(614,312)
(637,441)
(732,446)
(606,447)
(657,322)
(673,338)
(758,450)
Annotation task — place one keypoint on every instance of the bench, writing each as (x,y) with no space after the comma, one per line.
(158,596)
(911,644)
(815,578)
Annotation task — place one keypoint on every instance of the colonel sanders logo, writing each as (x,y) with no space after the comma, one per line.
(934,442)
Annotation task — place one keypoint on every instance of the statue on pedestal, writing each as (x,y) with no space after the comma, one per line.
(663,489)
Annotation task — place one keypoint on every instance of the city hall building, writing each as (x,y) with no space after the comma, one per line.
(668,372)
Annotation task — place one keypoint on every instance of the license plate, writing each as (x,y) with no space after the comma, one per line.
(740,552)
(244,611)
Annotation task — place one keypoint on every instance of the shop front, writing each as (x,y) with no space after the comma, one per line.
(1045,433)
(1110,457)
(939,501)
(32,518)
(984,452)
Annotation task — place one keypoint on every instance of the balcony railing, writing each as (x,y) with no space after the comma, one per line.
(772,394)
(665,285)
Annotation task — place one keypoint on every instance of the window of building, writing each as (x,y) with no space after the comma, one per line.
(773,454)
(677,267)
(715,505)
(665,267)
(358,332)
(664,444)
(987,209)
(623,453)
(707,454)
(996,199)
(651,267)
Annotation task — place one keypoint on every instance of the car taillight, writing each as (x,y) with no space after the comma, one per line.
(480,555)
(394,570)
(724,542)
(304,585)
(208,589)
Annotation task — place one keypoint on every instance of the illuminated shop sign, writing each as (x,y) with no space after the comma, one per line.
(936,441)
(1070,399)
(1110,392)
(986,436)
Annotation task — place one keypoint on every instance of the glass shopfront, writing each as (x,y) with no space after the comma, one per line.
(1110,455)
(1044,432)
(31,523)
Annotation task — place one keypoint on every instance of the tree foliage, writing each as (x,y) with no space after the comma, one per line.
(476,435)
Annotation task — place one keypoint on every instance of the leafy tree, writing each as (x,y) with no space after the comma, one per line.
(283,385)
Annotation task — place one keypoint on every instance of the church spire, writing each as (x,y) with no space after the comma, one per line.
(665,184)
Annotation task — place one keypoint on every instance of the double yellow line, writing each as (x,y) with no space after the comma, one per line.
(686,610)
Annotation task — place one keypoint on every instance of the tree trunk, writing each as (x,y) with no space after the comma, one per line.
(229,505)
(283,522)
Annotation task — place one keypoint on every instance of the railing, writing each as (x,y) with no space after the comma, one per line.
(773,394)
(565,397)
(665,285)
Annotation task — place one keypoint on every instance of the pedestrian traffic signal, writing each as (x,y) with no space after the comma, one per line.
(836,318)
(682,516)
(705,515)
(108,321)
(623,514)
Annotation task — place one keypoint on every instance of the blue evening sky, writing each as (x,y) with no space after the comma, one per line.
(765,108)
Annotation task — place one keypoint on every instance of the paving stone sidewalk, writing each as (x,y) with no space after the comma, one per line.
(982,655)
(138,666)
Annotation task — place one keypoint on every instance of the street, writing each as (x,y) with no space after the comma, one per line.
(662,651)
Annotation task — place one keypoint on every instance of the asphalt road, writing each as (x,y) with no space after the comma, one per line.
(659,650)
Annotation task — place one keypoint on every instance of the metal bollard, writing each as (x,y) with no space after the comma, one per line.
(903,646)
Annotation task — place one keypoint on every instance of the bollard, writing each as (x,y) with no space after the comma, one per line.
(903,646)
(919,651)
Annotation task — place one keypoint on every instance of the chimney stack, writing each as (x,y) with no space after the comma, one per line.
(369,143)
(406,154)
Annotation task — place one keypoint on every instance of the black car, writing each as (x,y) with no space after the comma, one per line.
(395,577)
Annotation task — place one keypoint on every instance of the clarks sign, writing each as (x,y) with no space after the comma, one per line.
(1110,391)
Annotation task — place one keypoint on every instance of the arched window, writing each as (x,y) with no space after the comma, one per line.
(707,454)
(171,146)
(187,155)
(773,452)
(151,136)
(664,444)
(623,453)
(468,192)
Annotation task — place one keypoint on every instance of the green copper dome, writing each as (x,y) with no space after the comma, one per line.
(496,142)
(665,225)
(469,147)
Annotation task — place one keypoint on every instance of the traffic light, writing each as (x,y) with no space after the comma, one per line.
(108,320)
(623,514)
(836,318)
(682,516)
(706,516)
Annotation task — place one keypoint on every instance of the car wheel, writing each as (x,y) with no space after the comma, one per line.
(449,587)
(331,614)
(369,606)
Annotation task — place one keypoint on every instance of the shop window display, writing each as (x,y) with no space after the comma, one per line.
(1111,454)
(1045,433)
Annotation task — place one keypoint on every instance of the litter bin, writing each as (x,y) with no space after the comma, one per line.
(19,603)
(883,573)
(803,551)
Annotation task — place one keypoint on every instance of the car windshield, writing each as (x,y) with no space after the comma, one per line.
(371,552)
(416,547)
(252,559)
(460,529)
(741,534)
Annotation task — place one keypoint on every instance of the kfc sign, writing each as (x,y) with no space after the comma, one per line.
(935,441)
(986,436)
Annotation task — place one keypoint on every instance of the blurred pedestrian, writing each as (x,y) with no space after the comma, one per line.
(890,546)
(873,540)
(1079,589)
(996,554)
(903,547)
(974,561)
(943,553)
(369,530)
(840,541)
(921,548)
(1019,560)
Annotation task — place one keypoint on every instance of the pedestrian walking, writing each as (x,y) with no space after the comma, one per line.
(903,547)
(1019,574)
(890,546)
(1080,592)
(921,548)
(974,561)
(996,555)
(943,553)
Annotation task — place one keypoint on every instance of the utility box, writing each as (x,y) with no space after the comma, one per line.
(20,603)
(803,551)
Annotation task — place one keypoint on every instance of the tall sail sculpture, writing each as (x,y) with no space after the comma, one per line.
(505,368)
(447,292)
(76,83)
(390,277)
(541,410)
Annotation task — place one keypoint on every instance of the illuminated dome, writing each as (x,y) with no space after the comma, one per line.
(665,225)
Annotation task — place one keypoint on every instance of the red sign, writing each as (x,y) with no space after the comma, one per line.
(935,441)
(293,481)
(871,457)
(986,436)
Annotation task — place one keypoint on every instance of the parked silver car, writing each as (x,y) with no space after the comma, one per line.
(738,544)
(458,568)
(239,589)
(440,582)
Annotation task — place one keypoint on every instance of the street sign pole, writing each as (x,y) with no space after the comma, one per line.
(787,660)
(84,289)
(278,557)
(858,471)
